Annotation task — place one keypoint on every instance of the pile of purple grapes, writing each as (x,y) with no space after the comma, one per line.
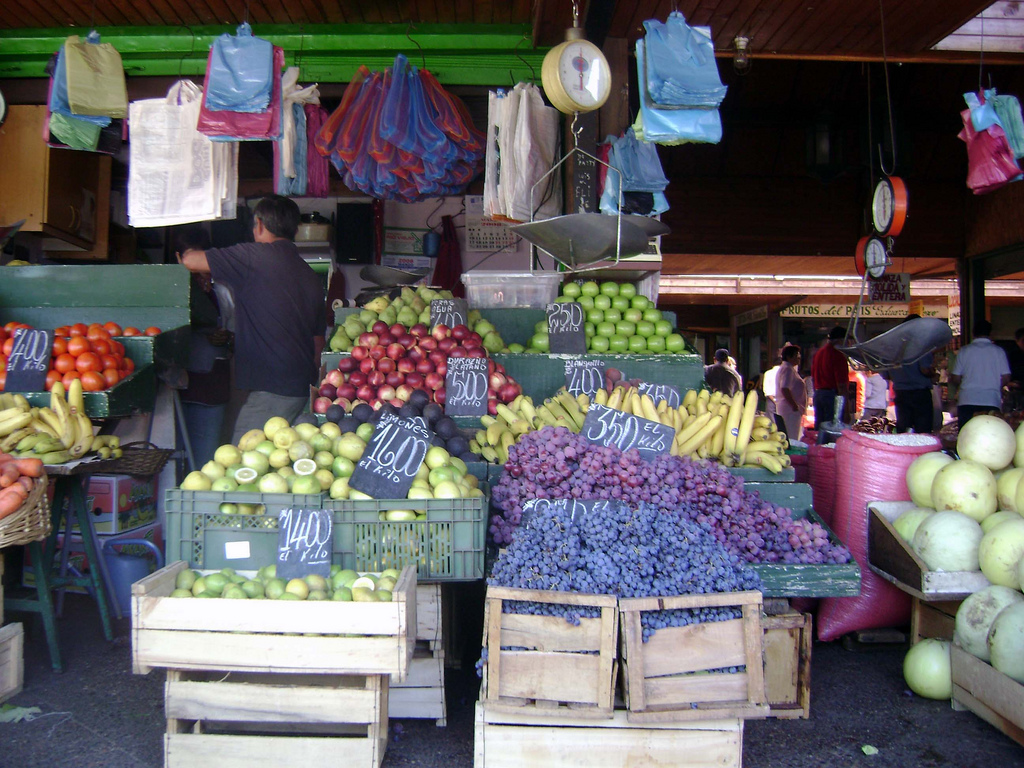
(555,463)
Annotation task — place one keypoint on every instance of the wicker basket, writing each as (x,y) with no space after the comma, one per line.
(32,520)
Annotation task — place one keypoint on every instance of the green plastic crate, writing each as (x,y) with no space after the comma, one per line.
(762,475)
(447,546)
(800,580)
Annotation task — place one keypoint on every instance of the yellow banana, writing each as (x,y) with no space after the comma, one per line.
(507,441)
(771,463)
(701,436)
(21,401)
(76,400)
(601,397)
(715,398)
(528,411)
(520,427)
(691,428)
(650,410)
(547,418)
(487,420)
(718,438)
(733,424)
(763,421)
(507,414)
(746,422)
(661,407)
(9,441)
(489,453)
(571,408)
(583,401)
(764,446)
(759,433)
(690,398)
(14,423)
(494,433)
(615,399)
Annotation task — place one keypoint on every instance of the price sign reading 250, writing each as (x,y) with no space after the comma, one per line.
(606,426)
(566,334)
(304,542)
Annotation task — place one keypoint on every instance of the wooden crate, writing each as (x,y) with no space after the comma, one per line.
(428,614)
(787,664)
(988,693)
(12,661)
(666,680)
(561,665)
(421,695)
(892,558)
(932,619)
(511,740)
(327,637)
(238,720)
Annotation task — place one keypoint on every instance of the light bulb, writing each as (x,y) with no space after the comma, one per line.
(741,58)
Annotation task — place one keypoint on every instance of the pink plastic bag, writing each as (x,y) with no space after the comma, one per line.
(990,161)
(821,472)
(246,126)
(868,468)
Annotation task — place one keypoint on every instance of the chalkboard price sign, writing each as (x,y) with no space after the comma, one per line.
(577,508)
(606,426)
(29,360)
(465,386)
(304,543)
(659,392)
(392,459)
(449,312)
(584,377)
(565,329)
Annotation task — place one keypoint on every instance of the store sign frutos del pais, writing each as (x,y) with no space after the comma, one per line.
(868,311)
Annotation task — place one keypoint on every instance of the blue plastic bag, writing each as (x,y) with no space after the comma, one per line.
(240,73)
(638,166)
(58,102)
(680,67)
(674,126)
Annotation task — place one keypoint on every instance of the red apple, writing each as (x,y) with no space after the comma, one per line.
(328,390)
(509,392)
(357,379)
(440,395)
(386,393)
(457,352)
(397,330)
(414,380)
(379,327)
(395,350)
(358,353)
(375,379)
(366,393)
(437,357)
(433,381)
(404,392)
(377,352)
(368,339)
(335,377)
(397,402)
(321,404)
(428,344)
(406,365)
(406,340)
(368,364)
(386,339)
(442,368)
(347,391)
(492,406)
(347,364)
(394,379)
(446,344)
(419,330)
(344,402)
(386,365)
(475,338)
(476,352)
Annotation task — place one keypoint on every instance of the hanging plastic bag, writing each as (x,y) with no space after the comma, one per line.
(990,161)
(535,145)
(679,68)
(327,136)
(226,125)
(95,77)
(58,97)
(673,126)
(637,167)
(240,72)
(1008,110)
(318,183)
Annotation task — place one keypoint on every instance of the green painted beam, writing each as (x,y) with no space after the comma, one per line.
(457,54)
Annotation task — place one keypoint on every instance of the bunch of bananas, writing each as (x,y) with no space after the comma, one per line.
(710,425)
(521,416)
(57,433)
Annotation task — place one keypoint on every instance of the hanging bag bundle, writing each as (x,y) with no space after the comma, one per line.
(240,73)
(95,75)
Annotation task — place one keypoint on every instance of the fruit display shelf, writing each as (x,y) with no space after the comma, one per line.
(447,546)
(802,579)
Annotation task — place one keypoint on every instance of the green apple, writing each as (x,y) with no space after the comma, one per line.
(562,300)
(436,457)
(662,328)
(587,302)
(655,344)
(539,342)
(273,425)
(343,466)
(608,288)
(227,455)
(606,329)
(627,289)
(637,344)
(639,302)
(625,328)
(618,344)
(541,326)
(613,315)
(645,329)
(590,288)
(602,302)
(589,329)
(364,432)
(572,290)
(600,344)
(652,315)
(517,349)
(620,303)
(633,315)
(675,343)
(595,316)
(196,481)
(273,483)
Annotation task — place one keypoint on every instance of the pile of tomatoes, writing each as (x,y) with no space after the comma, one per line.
(80,351)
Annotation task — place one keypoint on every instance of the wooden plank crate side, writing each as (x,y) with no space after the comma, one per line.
(787,664)
(658,676)
(12,661)
(352,638)
(563,740)
(560,666)
(988,693)
(932,619)
(421,695)
(428,613)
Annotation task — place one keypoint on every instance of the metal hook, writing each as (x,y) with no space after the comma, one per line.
(423,57)
(888,101)
(533,72)
(574,130)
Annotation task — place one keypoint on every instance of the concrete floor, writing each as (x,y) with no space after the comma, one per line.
(98,714)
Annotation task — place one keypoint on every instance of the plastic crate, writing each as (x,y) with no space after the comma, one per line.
(524,290)
(447,546)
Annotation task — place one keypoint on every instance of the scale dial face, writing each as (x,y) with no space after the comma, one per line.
(3,109)
(889,206)
(576,76)
(871,257)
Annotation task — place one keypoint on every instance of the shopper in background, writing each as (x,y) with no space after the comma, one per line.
(792,397)
(720,377)
(912,393)
(831,374)
(279,314)
(876,395)
(769,389)
(1016,358)
(981,371)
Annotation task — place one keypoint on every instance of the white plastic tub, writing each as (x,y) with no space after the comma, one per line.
(533,290)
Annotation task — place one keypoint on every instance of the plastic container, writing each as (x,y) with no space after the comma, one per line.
(533,290)
(447,546)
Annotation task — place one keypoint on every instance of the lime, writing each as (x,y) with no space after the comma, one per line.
(245,475)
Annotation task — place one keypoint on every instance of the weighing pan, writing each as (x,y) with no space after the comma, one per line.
(907,343)
(585,238)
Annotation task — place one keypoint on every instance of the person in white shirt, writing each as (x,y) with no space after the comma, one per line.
(792,392)
(876,396)
(981,370)
(770,392)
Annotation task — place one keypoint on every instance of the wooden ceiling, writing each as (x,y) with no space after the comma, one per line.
(817,29)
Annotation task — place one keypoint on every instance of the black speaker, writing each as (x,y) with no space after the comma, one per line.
(354,234)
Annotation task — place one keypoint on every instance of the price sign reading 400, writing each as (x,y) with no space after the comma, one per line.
(29,360)
(465,386)
(606,426)
(584,377)
(304,542)
(566,334)
(449,312)
(392,459)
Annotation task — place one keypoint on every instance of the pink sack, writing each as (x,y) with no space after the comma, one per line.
(868,468)
(246,126)
(821,475)
(990,161)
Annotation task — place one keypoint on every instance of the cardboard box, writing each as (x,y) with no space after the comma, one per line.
(120,503)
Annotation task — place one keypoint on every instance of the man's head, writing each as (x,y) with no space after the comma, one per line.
(721,355)
(791,354)
(983,328)
(1019,336)
(836,334)
(276,217)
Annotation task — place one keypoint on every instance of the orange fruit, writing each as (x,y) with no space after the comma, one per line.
(78,344)
(93,381)
(68,377)
(129,364)
(100,346)
(8,346)
(153,331)
(87,361)
(112,328)
(131,330)
(64,363)
(62,330)
(3,379)
(52,377)
(79,329)
(60,346)
(111,376)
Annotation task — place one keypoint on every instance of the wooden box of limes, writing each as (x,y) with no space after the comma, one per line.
(266,635)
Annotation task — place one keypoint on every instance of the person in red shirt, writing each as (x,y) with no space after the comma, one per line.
(831,374)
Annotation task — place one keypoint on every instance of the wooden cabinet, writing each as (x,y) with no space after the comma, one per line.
(62,194)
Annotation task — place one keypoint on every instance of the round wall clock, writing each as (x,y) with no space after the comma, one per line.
(871,257)
(889,206)
(576,75)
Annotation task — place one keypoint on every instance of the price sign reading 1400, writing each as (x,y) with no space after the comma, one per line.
(606,426)
(304,543)
(466,386)
(566,334)
(29,360)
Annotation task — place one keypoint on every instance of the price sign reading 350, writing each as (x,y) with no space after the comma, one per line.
(304,542)
(606,426)
(566,333)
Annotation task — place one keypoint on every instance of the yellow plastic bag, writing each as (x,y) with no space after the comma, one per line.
(96,83)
